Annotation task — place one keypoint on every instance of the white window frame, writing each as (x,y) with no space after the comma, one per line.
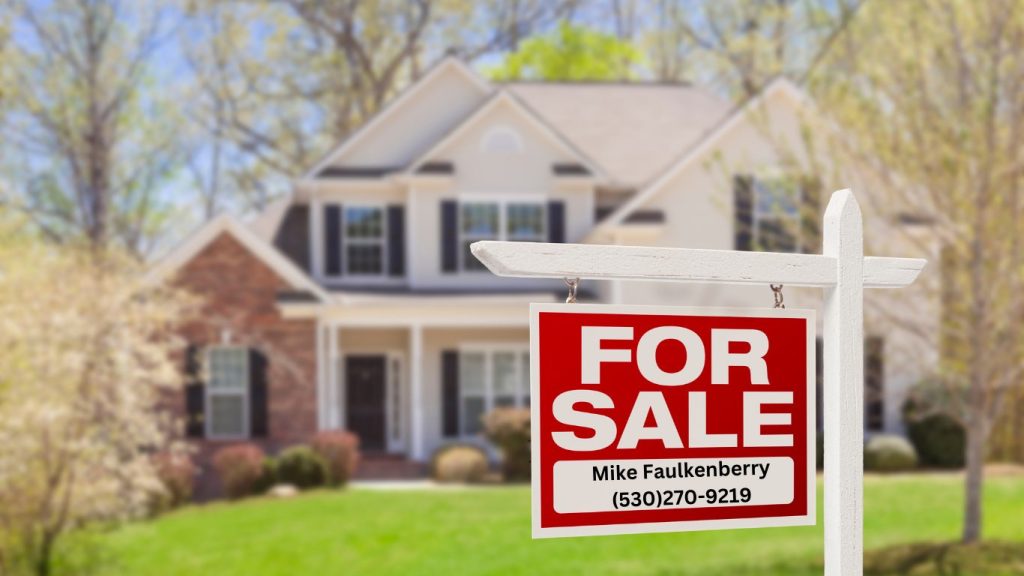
(502,203)
(210,392)
(792,222)
(346,241)
(489,350)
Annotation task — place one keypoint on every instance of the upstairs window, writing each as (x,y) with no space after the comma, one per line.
(364,239)
(515,221)
(776,220)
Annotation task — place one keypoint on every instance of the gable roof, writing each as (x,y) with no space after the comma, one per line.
(264,251)
(506,97)
(701,147)
(447,63)
(633,131)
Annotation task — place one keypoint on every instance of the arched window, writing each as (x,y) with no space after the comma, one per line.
(501,140)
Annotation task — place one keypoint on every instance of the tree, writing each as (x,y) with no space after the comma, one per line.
(89,145)
(570,53)
(281,82)
(927,103)
(87,353)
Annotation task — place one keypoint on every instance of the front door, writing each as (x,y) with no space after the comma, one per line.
(364,400)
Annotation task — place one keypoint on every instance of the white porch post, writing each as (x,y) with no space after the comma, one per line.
(334,411)
(416,389)
(843,333)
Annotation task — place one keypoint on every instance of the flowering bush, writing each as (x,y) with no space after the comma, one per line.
(241,469)
(509,429)
(340,451)
(177,474)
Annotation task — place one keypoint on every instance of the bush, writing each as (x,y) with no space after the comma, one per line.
(509,429)
(340,451)
(462,463)
(939,439)
(177,474)
(240,468)
(301,467)
(885,453)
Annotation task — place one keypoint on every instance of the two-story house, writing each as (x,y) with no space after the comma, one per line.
(355,303)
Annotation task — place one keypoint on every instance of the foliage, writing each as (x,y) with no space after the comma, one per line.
(939,440)
(570,53)
(484,531)
(241,469)
(301,467)
(889,453)
(1004,558)
(177,474)
(459,463)
(87,353)
(340,451)
(509,429)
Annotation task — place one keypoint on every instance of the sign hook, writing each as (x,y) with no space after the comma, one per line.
(573,284)
(777,293)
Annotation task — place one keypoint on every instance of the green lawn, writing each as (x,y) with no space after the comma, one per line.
(487,531)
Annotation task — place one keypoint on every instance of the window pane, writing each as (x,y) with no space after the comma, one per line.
(504,369)
(525,222)
(471,373)
(480,220)
(776,197)
(364,222)
(470,262)
(229,368)
(365,258)
(226,413)
(472,412)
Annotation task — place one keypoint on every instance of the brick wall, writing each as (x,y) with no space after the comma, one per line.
(239,293)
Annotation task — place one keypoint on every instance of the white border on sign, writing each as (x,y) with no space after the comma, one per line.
(808,519)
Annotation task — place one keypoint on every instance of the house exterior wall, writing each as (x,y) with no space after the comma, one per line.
(238,293)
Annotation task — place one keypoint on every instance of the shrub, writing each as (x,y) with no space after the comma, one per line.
(177,474)
(939,439)
(340,451)
(268,478)
(509,429)
(301,467)
(240,468)
(886,453)
(462,463)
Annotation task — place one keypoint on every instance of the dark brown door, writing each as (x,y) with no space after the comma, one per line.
(364,399)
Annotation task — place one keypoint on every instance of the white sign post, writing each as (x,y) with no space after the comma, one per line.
(842,270)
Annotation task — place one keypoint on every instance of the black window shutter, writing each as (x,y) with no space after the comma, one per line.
(556,221)
(874,383)
(450,393)
(332,239)
(743,207)
(396,240)
(810,215)
(449,235)
(819,386)
(195,393)
(258,393)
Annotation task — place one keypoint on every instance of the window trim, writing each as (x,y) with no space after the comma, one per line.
(245,393)
(489,350)
(347,241)
(756,216)
(502,202)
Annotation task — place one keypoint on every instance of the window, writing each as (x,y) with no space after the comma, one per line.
(490,379)
(776,217)
(227,393)
(516,221)
(364,240)
(501,140)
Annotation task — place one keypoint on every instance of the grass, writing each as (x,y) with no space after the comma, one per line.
(486,531)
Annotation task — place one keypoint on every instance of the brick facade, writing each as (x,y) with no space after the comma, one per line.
(239,294)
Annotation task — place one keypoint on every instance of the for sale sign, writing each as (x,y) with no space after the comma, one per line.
(658,419)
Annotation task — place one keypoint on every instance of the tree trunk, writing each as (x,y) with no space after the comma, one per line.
(975,460)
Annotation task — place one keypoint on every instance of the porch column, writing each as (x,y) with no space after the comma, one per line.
(416,389)
(334,418)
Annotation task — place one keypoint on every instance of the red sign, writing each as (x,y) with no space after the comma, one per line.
(659,419)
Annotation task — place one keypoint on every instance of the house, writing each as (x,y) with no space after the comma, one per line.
(355,303)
